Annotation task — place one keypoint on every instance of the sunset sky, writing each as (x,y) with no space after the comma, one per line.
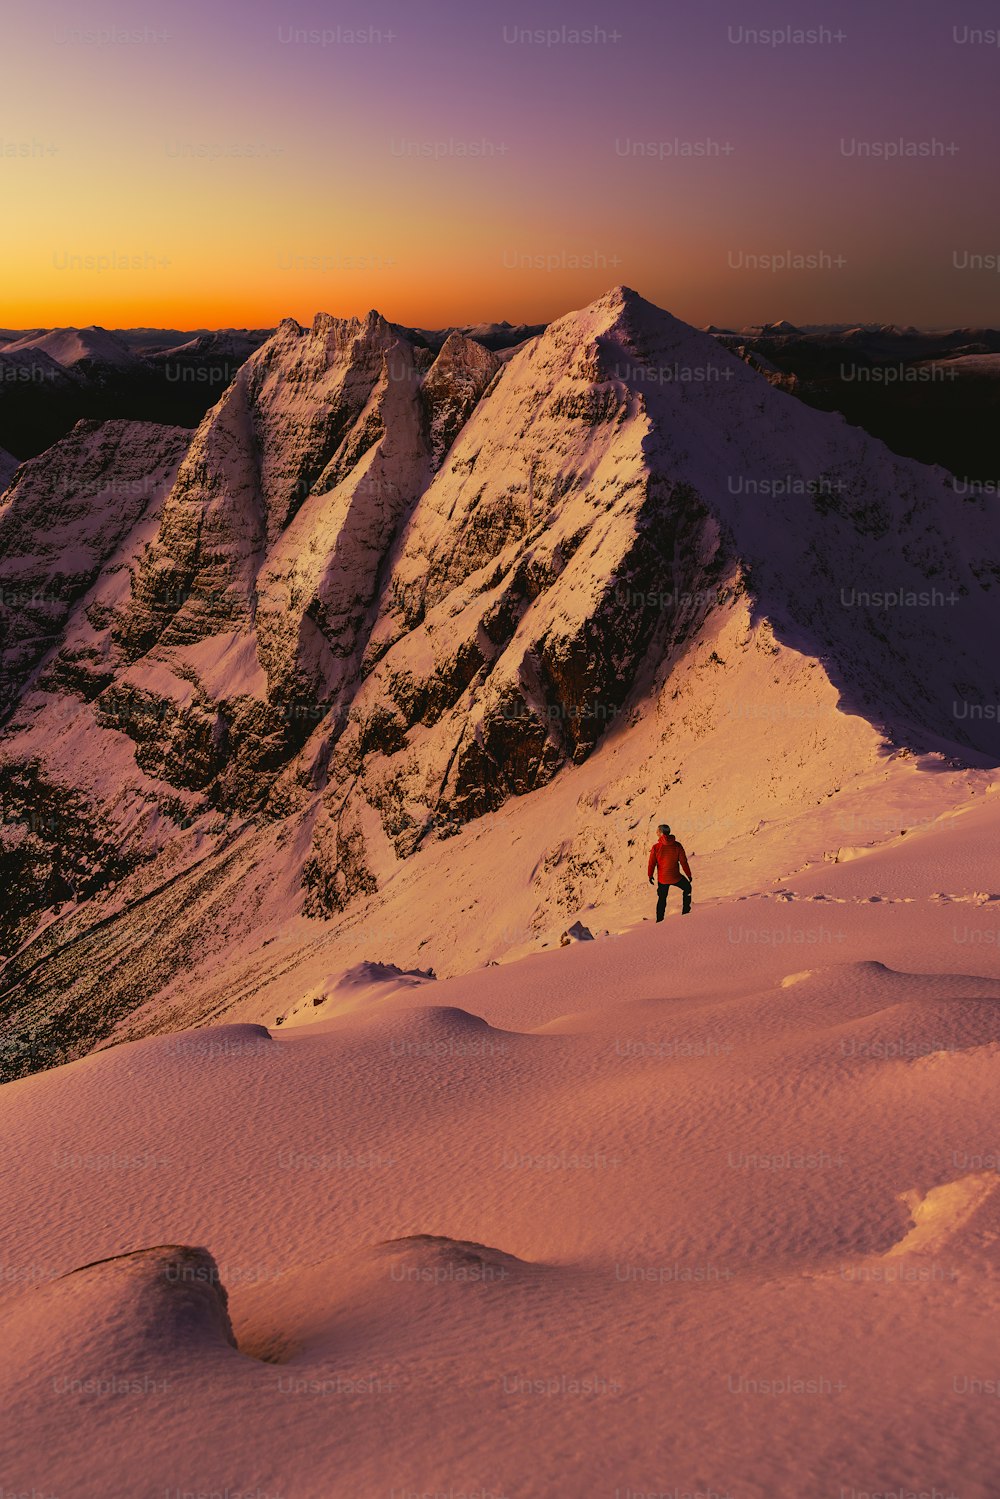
(228,163)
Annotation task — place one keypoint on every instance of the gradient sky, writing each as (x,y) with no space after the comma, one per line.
(340,208)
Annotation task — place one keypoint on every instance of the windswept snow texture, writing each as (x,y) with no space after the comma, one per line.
(726,1215)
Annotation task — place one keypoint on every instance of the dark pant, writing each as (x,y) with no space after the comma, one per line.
(684,884)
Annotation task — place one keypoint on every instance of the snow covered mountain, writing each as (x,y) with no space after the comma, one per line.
(87,351)
(227,343)
(389,592)
(26,363)
(981,363)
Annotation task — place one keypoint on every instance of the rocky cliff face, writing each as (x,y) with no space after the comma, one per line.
(508,639)
(257,456)
(62,521)
(388,593)
(452,387)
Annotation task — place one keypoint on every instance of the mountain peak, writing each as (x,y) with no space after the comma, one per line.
(622,297)
(635,322)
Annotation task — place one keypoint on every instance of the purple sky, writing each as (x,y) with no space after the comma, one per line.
(444,166)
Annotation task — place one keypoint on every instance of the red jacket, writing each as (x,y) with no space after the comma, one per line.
(667,857)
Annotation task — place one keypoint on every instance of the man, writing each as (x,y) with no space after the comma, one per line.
(668,859)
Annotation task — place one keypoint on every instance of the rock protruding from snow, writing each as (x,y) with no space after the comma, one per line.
(111,1328)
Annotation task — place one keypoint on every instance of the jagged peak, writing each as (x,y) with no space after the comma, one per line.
(459,348)
(337,334)
(328,322)
(323,322)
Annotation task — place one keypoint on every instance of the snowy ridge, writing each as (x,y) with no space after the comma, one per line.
(93,347)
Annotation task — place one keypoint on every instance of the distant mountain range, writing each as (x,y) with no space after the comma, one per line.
(931,394)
